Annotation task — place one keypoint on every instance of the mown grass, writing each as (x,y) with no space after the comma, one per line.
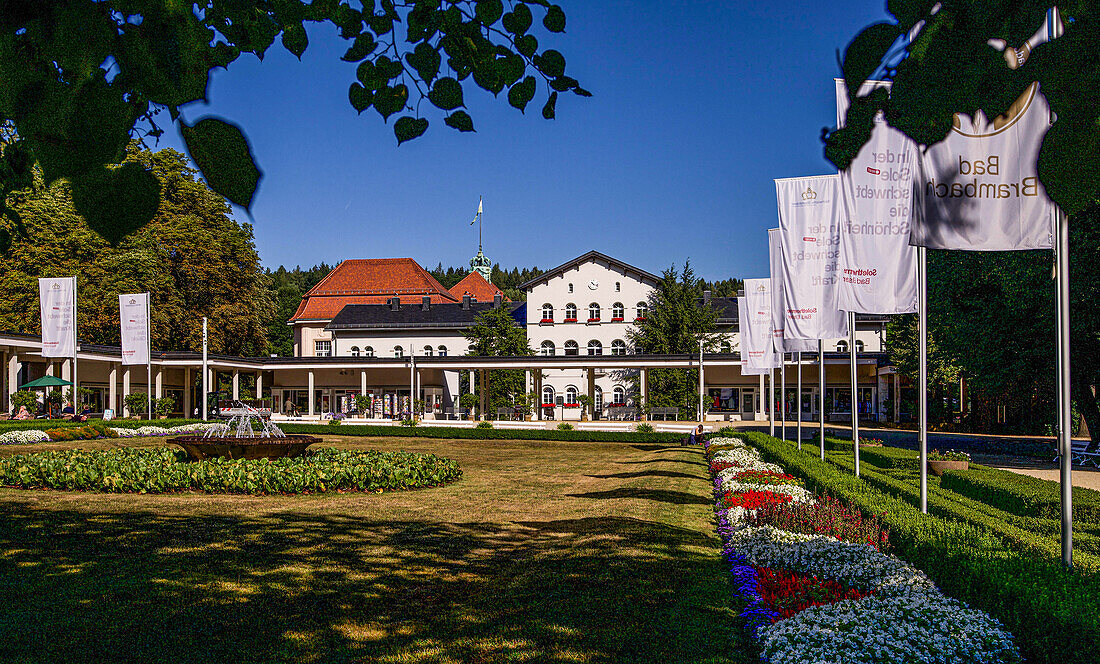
(542,552)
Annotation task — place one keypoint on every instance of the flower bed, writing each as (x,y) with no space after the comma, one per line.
(826,589)
(94,430)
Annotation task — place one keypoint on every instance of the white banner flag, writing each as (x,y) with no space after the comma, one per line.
(877,265)
(779,301)
(133,311)
(754,316)
(810,214)
(979,188)
(57,300)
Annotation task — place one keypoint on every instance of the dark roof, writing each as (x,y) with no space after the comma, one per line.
(592,255)
(448,316)
(726,308)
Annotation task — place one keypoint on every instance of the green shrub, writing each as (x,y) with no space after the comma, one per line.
(565,426)
(888,457)
(484,425)
(644,427)
(1050,610)
(410,422)
(164,470)
(137,403)
(454,433)
(25,398)
(1020,494)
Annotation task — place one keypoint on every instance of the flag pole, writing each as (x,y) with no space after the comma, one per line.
(854,385)
(148,357)
(76,342)
(206,373)
(821,396)
(798,362)
(783,395)
(922,373)
(771,402)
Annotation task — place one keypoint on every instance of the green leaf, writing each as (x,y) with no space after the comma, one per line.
(407,128)
(360,97)
(388,101)
(527,45)
(460,120)
(295,39)
(446,94)
(116,201)
(369,75)
(551,62)
(521,93)
(381,25)
(548,108)
(489,11)
(563,83)
(487,76)
(518,20)
(510,67)
(581,92)
(554,21)
(363,46)
(425,60)
(865,53)
(224,157)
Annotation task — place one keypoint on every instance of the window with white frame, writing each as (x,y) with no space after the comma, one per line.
(618,311)
(859,346)
(842,346)
(643,309)
(398,351)
(572,348)
(355,351)
(429,351)
(442,351)
(547,395)
(618,394)
(571,394)
(548,313)
(547,349)
(571,312)
(368,351)
(322,348)
(618,347)
(595,348)
(593,312)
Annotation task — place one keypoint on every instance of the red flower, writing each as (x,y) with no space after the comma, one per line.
(790,592)
(752,500)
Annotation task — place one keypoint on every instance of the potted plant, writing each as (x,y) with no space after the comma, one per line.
(362,404)
(940,462)
(469,403)
(529,404)
(585,401)
(136,403)
(163,407)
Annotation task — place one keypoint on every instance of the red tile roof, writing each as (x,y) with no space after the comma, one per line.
(370,281)
(475,285)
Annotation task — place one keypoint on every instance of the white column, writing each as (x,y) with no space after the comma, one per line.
(362,381)
(311,395)
(67,370)
(125,390)
(258,391)
(158,384)
(643,396)
(236,384)
(760,402)
(471,381)
(112,388)
(13,367)
(5,406)
(49,367)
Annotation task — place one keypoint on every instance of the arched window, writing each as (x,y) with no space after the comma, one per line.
(570,313)
(643,309)
(548,313)
(617,311)
(547,348)
(859,346)
(368,351)
(442,352)
(355,351)
(618,286)
(547,395)
(619,394)
(593,312)
(571,348)
(618,347)
(570,288)
(398,351)
(726,347)
(595,348)
(571,394)
(428,351)
(842,346)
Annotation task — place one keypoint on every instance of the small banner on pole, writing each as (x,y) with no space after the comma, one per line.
(134,313)
(779,301)
(57,299)
(810,214)
(754,317)
(877,265)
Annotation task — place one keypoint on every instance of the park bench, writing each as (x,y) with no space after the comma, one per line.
(664,413)
(1080,455)
(507,413)
(622,413)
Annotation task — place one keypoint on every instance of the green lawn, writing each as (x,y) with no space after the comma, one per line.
(542,552)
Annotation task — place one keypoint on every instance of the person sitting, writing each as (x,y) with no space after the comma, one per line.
(695,437)
(24,414)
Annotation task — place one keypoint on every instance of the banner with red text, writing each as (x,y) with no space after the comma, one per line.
(877,266)
(810,214)
(133,311)
(779,302)
(57,301)
(754,315)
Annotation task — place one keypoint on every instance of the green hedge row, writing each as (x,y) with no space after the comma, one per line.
(1051,610)
(1020,494)
(165,470)
(889,457)
(456,433)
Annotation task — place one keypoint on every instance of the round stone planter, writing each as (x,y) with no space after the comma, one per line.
(939,467)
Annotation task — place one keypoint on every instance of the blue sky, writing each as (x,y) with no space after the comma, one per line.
(697,106)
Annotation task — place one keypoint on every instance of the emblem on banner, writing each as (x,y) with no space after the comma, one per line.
(809,194)
(760,288)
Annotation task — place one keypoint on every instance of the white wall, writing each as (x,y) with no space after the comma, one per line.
(383,341)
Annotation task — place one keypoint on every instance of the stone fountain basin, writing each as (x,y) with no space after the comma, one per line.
(199,448)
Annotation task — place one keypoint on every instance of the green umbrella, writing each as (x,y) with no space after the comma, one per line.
(44,382)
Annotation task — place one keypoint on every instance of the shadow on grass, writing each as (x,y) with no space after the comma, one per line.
(661,495)
(648,473)
(143,587)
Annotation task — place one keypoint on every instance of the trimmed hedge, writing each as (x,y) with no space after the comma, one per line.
(889,457)
(166,470)
(456,433)
(1020,494)
(1051,610)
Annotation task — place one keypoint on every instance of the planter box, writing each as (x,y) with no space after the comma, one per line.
(938,468)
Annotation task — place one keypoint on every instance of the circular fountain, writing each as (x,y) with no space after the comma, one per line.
(239,439)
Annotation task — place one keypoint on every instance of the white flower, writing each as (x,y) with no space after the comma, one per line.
(23,437)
